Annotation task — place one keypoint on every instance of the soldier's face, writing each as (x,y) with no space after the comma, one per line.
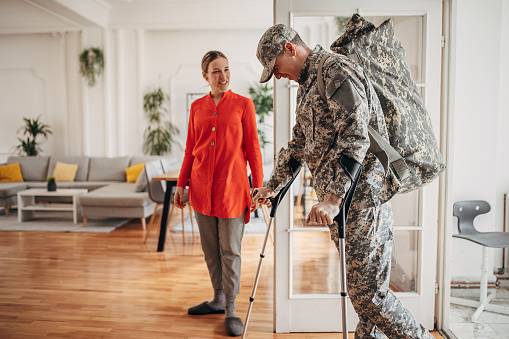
(218,75)
(286,67)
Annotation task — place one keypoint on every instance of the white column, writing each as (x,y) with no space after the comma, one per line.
(140,72)
(110,128)
(119,76)
(85,122)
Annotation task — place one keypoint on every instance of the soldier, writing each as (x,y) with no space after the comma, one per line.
(323,132)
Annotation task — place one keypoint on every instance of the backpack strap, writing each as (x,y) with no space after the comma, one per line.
(321,83)
(380,147)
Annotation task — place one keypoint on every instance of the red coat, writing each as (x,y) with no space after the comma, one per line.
(220,141)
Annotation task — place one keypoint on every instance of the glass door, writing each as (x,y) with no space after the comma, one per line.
(306,261)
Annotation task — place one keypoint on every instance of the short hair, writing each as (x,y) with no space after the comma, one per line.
(209,57)
(298,41)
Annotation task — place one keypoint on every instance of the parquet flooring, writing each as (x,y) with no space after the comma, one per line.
(84,285)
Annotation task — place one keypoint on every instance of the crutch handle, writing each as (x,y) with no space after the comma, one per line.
(353,170)
(295,167)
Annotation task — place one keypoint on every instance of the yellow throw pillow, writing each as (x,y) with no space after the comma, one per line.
(10,173)
(133,172)
(65,172)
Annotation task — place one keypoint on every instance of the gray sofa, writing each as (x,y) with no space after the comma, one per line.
(109,195)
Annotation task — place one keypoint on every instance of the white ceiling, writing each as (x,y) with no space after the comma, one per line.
(25,16)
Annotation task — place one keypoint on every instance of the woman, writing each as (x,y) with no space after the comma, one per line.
(221,137)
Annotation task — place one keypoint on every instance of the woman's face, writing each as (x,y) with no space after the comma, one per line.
(218,75)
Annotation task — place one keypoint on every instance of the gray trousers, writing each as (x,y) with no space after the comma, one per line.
(221,243)
(369,239)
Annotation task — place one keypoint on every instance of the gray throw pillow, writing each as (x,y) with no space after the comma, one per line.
(141,183)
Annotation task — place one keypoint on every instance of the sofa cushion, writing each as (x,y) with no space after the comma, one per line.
(108,169)
(11,173)
(117,194)
(81,161)
(32,168)
(37,184)
(8,189)
(65,172)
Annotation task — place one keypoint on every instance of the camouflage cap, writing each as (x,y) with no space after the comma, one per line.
(270,45)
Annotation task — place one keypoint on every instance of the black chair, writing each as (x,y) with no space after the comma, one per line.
(466,211)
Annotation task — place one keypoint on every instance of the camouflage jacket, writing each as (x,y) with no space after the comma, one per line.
(326,130)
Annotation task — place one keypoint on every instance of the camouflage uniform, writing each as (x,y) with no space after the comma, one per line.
(322,133)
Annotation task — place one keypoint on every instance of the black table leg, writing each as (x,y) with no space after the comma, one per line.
(164,218)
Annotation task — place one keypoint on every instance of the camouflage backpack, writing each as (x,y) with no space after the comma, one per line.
(412,155)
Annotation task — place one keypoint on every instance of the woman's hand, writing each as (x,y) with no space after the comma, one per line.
(261,197)
(178,198)
(324,212)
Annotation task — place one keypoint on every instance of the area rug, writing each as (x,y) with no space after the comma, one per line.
(255,225)
(59,222)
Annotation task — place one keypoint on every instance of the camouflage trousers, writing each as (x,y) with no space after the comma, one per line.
(369,239)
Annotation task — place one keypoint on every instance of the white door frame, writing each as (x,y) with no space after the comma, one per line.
(283,10)
(444,255)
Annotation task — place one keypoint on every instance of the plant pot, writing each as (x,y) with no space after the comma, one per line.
(52,187)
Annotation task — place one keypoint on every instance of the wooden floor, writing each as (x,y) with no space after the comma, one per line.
(84,285)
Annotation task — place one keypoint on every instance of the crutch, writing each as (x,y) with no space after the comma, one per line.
(295,168)
(353,169)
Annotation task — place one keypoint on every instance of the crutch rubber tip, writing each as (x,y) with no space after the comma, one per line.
(344,294)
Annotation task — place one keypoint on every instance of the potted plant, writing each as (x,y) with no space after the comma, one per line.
(33,128)
(263,100)
(91,64)
(159,133)
(52,185)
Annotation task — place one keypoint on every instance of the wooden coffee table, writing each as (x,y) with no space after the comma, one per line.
(27,205)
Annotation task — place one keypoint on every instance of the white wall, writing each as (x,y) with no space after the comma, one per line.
(32,83)
(480,122)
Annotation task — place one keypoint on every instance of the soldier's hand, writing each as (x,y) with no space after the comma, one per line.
(324,212)
(261,196)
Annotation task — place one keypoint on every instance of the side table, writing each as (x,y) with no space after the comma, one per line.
(27,205)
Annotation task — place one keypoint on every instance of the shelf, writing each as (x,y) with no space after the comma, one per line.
(48,207)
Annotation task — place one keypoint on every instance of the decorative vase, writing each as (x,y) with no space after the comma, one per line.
(52,187)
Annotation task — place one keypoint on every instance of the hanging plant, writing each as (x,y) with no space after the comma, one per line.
(91,64)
